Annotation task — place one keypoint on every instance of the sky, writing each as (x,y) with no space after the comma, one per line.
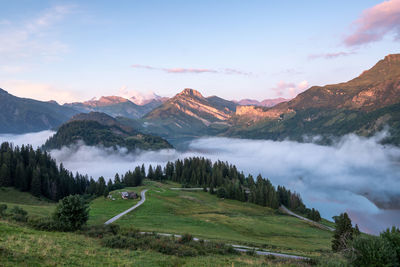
(76,50)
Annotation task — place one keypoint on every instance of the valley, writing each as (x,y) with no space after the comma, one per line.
(200,133)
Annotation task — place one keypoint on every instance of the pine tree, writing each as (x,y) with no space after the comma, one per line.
(117,180)
(150,173)
(36,183)
(343,232)
(4,175)
(101,186)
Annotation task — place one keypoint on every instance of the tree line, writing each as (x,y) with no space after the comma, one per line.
(35,171)
(224,180)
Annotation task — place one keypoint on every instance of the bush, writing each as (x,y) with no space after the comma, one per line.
(221,192)
(118,242)
(166,245)
(371,250)
(3,208)
(18,214)
(393,237)
(186,238)
(45,224)
(101,231)
(72,212)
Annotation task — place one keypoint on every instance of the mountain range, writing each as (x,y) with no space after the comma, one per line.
(363,105)
(118,106)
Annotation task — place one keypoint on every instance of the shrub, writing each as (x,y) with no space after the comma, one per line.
(18,214)
(45,224)
(117,242)
(370,250)
(221,192)
(3,208)
(100,231)
(251,252)
(186,238)
(166,245)
(72,212)
(393,237)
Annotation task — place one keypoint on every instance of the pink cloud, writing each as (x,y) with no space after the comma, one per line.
(183,70)
(375,23)
(330,55)
(191,70)
(290,90)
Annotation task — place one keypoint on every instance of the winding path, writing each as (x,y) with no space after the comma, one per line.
(287,211)
(142,200)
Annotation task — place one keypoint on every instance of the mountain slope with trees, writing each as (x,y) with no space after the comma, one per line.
(100,129)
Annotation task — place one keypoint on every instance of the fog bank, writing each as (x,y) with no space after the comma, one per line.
(35,139)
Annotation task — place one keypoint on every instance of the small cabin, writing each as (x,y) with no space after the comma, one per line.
(129,195)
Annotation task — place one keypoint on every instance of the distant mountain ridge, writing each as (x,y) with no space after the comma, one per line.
(116,106)
(23,115)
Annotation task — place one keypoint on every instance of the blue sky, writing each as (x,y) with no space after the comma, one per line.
(75,50)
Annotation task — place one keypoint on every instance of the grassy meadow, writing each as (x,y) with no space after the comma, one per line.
(165,211)
(21,246)
(33,205)
(206,216)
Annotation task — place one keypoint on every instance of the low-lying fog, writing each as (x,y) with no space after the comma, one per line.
(332,179)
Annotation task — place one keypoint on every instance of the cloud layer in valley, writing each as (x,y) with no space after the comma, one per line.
(333,179)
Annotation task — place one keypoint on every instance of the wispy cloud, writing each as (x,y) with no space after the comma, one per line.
(331,55)
(31,38)
(375,23)
(228,71)
(290,90)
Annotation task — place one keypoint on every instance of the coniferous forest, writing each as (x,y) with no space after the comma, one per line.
(35,171)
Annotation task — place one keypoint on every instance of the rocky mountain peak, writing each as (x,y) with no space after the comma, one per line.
(392,58)
(191,92)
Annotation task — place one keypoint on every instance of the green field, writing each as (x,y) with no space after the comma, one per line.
(33,205)
(103,209)
(165,211)
(21,246)
(206,216)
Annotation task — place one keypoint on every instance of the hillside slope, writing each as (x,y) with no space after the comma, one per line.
(363,106)
(23,115)
(96,128)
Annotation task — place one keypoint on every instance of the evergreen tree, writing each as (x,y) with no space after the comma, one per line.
(142,170)
(150,173)
(343,233)
(101,186)
(117,180)
(4,175)
(36,183)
